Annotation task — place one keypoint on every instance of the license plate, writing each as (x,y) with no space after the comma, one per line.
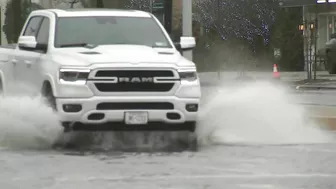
(136,118)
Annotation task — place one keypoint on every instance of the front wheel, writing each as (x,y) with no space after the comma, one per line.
(49,98)
(51,102)
(192,140)
(1,88)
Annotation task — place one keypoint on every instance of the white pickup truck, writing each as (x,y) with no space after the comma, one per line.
(104,70)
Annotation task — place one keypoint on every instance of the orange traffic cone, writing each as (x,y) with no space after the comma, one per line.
(276,74)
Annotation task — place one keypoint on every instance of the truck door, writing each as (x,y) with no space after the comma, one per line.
(34,60)
(7,66)
(26,58)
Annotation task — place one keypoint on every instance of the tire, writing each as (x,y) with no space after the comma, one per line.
(49,97)
(192,138)
(1,88)
(51,102)
(192,127)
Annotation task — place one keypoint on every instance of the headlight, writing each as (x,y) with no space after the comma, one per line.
(188,76)
(73,75)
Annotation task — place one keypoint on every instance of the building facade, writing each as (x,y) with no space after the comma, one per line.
(318,23)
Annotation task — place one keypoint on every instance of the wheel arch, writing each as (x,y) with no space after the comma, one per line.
(2,81)
(48,84)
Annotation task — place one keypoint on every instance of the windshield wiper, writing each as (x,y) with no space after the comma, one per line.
(86,45)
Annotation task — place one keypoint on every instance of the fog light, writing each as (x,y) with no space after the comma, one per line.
(173,116)
(72,107)
(192,107)
(96,116)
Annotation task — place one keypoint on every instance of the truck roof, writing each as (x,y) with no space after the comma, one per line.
(97,12)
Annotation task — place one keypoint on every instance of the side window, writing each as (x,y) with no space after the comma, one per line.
(33,26)
(43,33)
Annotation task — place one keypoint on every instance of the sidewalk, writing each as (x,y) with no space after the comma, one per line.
(324,80)
(285,76)
(316,85)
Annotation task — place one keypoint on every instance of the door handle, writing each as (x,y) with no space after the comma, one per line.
(14,61)
(28,63)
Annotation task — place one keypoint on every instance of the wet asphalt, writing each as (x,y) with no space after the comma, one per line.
(217,167)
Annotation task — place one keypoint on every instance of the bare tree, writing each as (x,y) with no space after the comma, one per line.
(239,19)
(72,3)
(144,5)
(240,24)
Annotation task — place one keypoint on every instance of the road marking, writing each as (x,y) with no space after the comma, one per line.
(194,177)
(258,186)
(184,177)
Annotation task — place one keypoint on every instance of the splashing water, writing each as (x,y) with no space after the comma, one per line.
(27,123)
(258,113)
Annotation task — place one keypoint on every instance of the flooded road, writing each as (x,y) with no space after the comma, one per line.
(253,136)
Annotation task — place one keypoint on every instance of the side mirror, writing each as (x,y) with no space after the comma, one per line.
(186,43)
(28,42)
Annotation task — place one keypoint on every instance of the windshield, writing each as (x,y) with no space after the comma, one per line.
(109,30)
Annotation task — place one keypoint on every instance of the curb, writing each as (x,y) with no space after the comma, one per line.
(314,87)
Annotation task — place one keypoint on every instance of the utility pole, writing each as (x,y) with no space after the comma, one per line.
(30,6)
(315,40)
(187,24)
(218,23)
(151,6)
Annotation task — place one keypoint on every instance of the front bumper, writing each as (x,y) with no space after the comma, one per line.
(156,116)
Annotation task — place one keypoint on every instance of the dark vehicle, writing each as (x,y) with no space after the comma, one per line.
(330,54)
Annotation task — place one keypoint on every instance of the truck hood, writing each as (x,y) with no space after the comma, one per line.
(107,54)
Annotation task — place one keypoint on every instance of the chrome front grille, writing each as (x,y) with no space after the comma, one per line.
(134,73)
(134,87)
(134,80)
